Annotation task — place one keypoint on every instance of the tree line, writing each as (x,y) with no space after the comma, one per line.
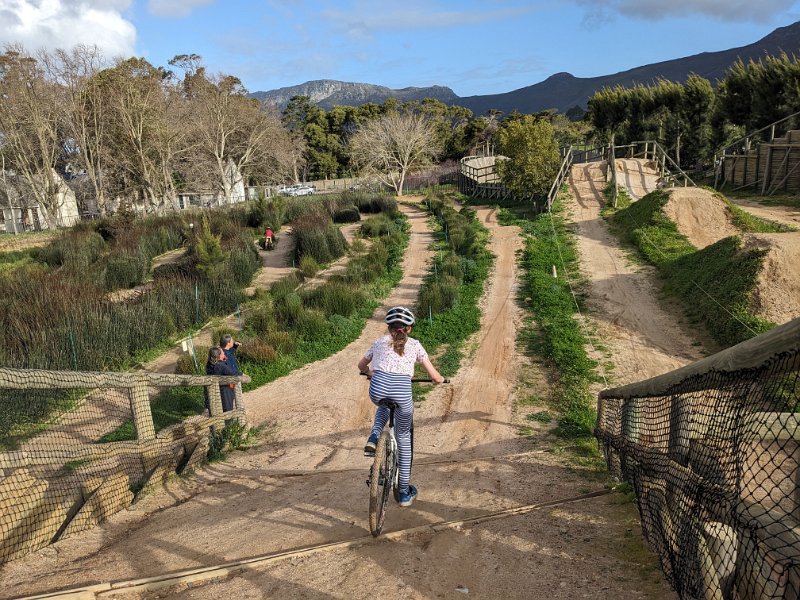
(695,119)
(135,135)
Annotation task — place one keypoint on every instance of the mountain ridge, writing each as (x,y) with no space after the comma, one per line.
(561,91)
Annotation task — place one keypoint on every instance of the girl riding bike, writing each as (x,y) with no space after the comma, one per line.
(393,357)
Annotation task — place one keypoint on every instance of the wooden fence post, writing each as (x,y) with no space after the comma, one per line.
(214,400)
(145,428)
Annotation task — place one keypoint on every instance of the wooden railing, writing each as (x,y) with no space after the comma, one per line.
(69,475)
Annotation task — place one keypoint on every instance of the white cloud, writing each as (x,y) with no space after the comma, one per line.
(175,8)
(743,11)
(54,24)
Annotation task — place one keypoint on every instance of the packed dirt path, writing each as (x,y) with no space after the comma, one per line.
(785,215)
(637,176)
(644,339)
(305,486)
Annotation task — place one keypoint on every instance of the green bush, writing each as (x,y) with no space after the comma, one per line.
(308,266)
(283,341)
(318,237)
(289,309)
(285,286)
(336,298)
(312,324)
(378,225)
(74,250)
(256,350)
(347,215)
(440,295)
(125,270)
(185,364)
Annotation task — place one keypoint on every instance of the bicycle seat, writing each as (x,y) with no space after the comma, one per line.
(389,403)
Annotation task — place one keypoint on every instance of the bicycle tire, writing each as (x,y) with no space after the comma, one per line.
(381,482)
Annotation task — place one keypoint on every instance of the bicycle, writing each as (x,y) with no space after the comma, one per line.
(385,472)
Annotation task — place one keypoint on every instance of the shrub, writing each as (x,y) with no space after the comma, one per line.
(347,215)
(75,250)
(451,265)
(289,309)
(282,341)
(125,270)
(308,266)
(185,364)
(378,225)
(439,296)
(318,237)
(312,324)
(242,264)
(285,286)
(336,298)
(256,350)
(263,213)
(209,252)
(260,316)
(222,329)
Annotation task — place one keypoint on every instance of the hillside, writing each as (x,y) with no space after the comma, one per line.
(328,92)
(561,91)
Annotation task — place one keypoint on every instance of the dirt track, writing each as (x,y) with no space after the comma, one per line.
(306,486)
(645,340)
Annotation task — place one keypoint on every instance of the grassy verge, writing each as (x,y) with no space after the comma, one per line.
(714,283)
(553,333)
(447,310)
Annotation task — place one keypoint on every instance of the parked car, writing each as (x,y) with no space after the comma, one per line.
(298,189)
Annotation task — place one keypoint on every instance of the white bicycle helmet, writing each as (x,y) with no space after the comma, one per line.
(401,315)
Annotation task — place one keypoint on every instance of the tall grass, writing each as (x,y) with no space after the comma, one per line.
(316,236)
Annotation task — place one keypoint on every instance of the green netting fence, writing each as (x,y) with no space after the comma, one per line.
(712,451)
(75,447)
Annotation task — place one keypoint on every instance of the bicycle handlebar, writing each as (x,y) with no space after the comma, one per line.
(428,380)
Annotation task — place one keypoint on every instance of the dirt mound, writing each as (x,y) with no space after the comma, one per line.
(700,215)
(777,294)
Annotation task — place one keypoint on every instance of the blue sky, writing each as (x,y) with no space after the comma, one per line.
(474,47)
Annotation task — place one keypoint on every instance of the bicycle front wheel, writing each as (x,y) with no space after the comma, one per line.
(381,483)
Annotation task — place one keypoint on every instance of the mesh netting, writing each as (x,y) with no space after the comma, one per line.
(77,447)
(714,461)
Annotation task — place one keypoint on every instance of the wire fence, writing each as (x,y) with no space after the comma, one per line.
(712,452)
(75,447)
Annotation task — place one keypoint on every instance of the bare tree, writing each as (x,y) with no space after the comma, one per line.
(87,115)
(394,145)
(235,137)
(31,122)
(146,131)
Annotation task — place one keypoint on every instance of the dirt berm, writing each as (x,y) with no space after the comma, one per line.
(705,218)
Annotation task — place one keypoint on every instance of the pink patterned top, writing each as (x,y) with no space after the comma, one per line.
(384,358)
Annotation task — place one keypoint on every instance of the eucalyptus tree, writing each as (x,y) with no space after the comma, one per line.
(146,131)
(235,138)
(32,125)
(86,116)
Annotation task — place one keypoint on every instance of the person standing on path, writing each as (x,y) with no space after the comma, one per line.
(229,346)
(217,365)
